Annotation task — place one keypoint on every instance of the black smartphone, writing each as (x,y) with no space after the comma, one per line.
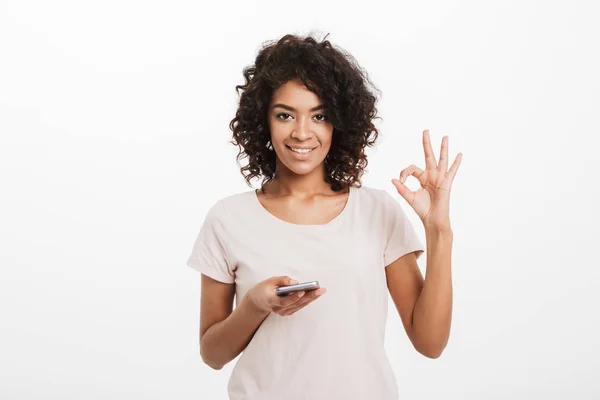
(287,290)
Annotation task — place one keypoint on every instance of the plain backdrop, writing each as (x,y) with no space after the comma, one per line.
(114,143)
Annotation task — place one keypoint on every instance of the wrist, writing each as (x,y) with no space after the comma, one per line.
(441,228)
(252,306)
(438,231)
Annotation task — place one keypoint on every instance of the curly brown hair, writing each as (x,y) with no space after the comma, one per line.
(334,76)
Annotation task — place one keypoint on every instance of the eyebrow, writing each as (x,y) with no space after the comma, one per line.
(319,107)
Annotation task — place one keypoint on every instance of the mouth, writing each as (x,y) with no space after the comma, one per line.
(300,150)
(300,154)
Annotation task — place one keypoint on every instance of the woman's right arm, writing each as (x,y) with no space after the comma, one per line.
(225,332)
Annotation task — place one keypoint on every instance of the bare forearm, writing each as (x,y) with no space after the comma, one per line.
(433,310)
(225,340)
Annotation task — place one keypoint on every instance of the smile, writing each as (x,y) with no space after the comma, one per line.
(300,150)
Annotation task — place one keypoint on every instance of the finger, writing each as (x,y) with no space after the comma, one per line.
(452,172)
(285,280)
(429,155)
(404,191)
(286,301)
(307,299)
(308,295)
(411,170)
(443,164)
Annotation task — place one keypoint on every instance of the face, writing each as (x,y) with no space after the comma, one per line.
(300,131)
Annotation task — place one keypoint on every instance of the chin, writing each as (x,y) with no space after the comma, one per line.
(301,168)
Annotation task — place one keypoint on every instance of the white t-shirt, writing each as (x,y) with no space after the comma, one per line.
(334,347)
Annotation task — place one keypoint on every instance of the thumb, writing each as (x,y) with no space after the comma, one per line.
(284,281)
(403,190)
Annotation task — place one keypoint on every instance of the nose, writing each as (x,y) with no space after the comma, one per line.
(301,130)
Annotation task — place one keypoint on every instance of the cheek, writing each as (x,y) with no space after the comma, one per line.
(326,138)
(278,133)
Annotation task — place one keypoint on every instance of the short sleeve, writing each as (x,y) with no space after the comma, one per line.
(209,253)
(401,235)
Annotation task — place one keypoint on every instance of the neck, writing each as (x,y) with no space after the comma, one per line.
(287,183)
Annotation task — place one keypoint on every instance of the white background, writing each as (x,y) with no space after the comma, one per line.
(114,142)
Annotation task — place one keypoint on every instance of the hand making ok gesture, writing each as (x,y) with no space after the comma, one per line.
(431,201)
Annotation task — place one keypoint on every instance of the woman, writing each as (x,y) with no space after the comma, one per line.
(304,120)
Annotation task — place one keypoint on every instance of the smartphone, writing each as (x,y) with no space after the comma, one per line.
(287,290)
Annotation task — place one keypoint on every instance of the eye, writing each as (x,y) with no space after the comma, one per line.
(279,116)
(284,116)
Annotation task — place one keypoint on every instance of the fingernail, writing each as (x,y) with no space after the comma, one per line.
(293,281)
(300,294)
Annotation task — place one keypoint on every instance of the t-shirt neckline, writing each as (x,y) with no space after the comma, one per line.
(336,220)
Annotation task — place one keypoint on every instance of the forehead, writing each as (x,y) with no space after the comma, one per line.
(295,94)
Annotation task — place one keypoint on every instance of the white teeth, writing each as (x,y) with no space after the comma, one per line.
(301,151)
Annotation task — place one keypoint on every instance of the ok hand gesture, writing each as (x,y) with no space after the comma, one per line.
(431,201)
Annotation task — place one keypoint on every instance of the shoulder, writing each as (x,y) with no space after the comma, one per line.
(379,203)
(221,208)
(372,195)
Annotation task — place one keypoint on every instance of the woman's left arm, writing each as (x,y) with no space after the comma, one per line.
(425,304)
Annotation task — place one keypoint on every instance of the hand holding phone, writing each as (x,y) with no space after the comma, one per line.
(282,295)
(290,289)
